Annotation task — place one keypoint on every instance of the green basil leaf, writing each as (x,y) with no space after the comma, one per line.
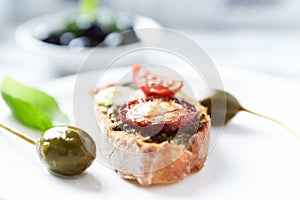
(32,107)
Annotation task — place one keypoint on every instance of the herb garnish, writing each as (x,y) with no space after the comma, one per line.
(32,107)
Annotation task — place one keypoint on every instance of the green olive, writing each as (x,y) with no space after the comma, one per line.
(66,150)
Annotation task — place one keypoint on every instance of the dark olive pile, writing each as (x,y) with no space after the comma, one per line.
(90,35)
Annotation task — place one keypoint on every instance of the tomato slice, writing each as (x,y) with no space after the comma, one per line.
(159,115)
(154,85)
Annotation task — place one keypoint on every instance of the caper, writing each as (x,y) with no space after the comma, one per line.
(64,150)
(228,104)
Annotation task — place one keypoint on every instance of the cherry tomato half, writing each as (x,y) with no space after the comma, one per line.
(154,85)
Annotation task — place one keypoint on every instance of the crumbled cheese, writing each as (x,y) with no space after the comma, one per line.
(115,95)
(152,109)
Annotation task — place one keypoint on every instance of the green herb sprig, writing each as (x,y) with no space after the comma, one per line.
(32,107)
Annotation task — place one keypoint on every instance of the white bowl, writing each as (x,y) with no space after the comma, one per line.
(71,59)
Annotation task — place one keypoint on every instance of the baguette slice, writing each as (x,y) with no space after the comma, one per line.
(132,157)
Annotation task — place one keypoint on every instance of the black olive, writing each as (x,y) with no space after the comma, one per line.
(80,42)
(66,150)
(129,37)
(94,33)
(113,39)
(95,43)
(66,37)
(52,38)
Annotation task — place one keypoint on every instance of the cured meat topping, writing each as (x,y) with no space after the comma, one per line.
(156,115)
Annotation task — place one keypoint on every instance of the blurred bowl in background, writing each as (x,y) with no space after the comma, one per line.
(70,59)
(5,11)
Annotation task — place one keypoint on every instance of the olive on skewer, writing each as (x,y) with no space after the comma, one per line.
(64,150)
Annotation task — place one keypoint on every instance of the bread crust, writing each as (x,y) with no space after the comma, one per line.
(152,163)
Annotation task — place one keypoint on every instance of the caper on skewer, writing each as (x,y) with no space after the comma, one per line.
(64,150)
(225,102)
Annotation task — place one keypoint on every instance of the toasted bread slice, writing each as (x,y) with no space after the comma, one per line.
(133,156)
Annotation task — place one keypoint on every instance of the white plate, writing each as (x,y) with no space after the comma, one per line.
(254,159)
